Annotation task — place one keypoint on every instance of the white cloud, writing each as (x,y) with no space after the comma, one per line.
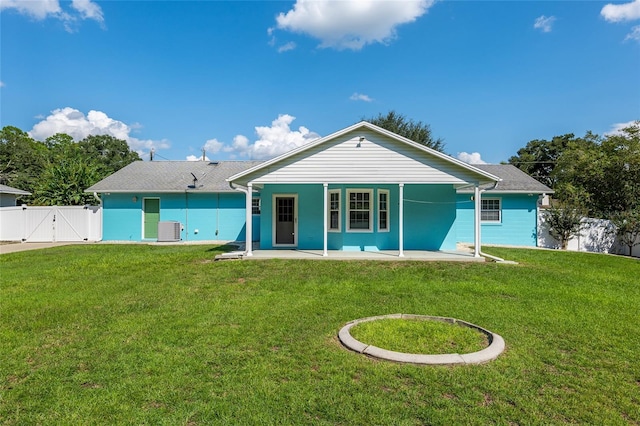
(88,10)
(42,9)
(350,24)
(194,158)
(37,9)
(544,23)
(1,83)
(634,34)
(286,47)
(621,12)
(213,146)
(360,97)
(78,126)
(473,158)
(272,140)
(616,128)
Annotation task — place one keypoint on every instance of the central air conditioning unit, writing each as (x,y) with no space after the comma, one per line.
(169,231)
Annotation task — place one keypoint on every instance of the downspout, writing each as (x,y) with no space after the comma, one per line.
(95,195)
(248,238)
(496,258)
(186,215)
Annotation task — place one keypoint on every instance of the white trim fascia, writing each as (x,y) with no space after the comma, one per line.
(506,191)
(373,128)
(158,191)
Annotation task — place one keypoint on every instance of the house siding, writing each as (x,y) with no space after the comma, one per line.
(8,200)
(518,225)
(429,216)
(377,158)
(217,216)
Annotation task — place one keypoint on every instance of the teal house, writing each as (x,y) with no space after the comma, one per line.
(191,198)
(508,210)
(362,188)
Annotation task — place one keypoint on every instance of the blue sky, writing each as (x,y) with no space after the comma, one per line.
(252,79)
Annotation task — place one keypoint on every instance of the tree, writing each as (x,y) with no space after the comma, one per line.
(63,183)
(564,222)
(539,157)
(627,225)
(22,159)
(58,170)
(400,125)
(111,154)
(604,171)
(67,174)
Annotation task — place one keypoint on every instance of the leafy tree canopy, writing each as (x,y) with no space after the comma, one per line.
(604,173)
(599,175)
(539,157)
(58,170)
(416,131)
(22,159)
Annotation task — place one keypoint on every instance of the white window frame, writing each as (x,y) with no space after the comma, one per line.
(484,210)
(253,206)
(386,210)
(338,210)
(370,210)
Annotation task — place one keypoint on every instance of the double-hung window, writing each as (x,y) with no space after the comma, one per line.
(360,213)
(255,206)
(383,210)
(334,210)
(491,210)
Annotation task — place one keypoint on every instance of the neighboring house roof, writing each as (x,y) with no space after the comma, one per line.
(4,189)
(364,153)
(172,176)
(514,180)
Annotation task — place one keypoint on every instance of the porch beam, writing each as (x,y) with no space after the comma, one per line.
(477,208)
(325,192)
(401,220)
(249,220)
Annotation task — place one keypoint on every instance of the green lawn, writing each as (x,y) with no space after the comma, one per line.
(134,334)
(417,336)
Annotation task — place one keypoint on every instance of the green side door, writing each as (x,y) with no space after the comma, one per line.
(151,217)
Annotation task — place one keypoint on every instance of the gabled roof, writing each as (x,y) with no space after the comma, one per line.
(407,148)
(172,176)
(513,180)
(4,189)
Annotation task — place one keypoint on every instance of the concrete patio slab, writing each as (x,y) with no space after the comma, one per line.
(385,255)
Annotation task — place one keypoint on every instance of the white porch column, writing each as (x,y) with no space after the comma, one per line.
(477,208)
(325,192)
(249,220)
(401,220)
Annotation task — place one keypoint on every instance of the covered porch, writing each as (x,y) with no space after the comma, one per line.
(362,192)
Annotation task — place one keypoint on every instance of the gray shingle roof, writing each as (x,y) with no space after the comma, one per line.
(175,176)
(513,180)
(172,176)
(4,189)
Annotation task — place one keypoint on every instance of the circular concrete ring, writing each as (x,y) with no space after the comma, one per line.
(491,352)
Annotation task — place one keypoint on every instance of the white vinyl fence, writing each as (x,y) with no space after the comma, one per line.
(50,223)
(596,235)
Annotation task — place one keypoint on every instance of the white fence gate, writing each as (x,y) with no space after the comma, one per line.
(51,223)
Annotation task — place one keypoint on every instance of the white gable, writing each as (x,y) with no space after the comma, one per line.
(363,155)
